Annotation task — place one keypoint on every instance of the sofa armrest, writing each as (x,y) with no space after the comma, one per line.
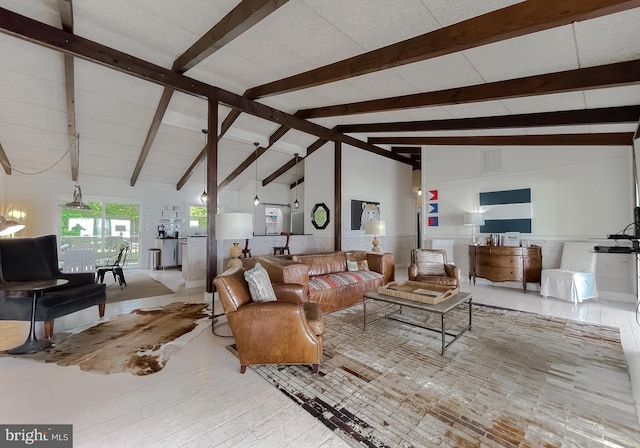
(382,263)
(289,272)
(77,278)
(453,271)
(412,271)
(289,292)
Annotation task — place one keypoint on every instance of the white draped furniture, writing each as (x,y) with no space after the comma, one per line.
(576,279)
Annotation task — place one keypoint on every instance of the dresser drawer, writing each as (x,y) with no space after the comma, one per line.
(497,274)
(499,261)
(499,250)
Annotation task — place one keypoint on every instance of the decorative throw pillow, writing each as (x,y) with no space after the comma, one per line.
(430,263)
(259,284)
(360,265)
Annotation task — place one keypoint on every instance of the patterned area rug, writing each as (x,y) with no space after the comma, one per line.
(515,380)
(140,342)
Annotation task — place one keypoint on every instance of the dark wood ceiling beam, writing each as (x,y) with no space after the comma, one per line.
(313,147)
(618,74)
(406,150)
(163,105)
(65,8)
(4,161)
(255,155)
(240,19)
(39,33)
(598,139)
(280,171)
(605,115)
(517,20)
(246,14)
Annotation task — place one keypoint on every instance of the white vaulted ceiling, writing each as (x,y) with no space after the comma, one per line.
(114,110)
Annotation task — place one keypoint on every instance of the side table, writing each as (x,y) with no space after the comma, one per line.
(32,344)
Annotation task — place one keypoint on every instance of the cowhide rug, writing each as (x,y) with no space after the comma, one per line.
(140,342)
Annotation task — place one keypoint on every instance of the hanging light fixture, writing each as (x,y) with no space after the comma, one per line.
(77,203)
(419,191)
(9,226)
(296,204)
(203,196)
(256,200)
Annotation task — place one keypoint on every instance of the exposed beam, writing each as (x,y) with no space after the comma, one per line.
(167,93)
(241,18)
(4,161)
(65,8)
(42,34)
(624,114)
(243,166)
(313,147)
(597,139)
(406,149)
(296,183)
(246,14)
(280,171)
(618,74)
(517,20)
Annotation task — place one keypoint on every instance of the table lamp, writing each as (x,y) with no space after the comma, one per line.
(375,228)
(473,219)
(234,226)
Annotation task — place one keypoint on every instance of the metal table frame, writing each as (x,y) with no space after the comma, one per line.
(32,344)
(441,308)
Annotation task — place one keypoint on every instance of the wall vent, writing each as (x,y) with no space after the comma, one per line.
(492,161)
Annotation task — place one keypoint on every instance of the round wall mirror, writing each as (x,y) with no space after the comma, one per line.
(320,216)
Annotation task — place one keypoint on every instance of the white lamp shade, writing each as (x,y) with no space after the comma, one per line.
(377,228)
(473,219)
(234,226)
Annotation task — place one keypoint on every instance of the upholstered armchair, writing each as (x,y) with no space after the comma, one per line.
(430,266)
(285,331)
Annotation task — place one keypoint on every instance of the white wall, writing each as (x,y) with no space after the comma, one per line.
(577,194)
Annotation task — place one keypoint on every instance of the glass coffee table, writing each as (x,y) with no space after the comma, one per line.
(442,308)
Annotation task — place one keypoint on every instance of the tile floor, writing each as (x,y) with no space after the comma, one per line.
(200,399)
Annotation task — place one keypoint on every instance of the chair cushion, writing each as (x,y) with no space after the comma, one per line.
(430,263)
(259,284)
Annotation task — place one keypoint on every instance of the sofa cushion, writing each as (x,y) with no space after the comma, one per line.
(430,263)
(321,264)
(338,279)
(259,284)
(22,260)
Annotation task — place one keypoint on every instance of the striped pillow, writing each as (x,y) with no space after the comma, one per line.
(430,263)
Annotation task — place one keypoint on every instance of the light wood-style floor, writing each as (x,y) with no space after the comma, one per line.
(200,399)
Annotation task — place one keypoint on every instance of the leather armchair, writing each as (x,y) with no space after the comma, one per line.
(286,331)
(30,259)
(450,279)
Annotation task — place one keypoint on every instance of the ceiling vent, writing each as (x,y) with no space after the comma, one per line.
(492,161)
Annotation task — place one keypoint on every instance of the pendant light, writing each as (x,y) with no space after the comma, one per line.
(256,200)
(77,202)
(203,196)
(296,204)
(9,226)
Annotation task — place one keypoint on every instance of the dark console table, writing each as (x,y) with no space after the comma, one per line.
(506,263)
(32,344)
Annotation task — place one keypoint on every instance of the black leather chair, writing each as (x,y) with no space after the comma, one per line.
(32,259)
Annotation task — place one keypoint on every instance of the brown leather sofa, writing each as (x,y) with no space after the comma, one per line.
(286,331)
(325,277)
(451,277)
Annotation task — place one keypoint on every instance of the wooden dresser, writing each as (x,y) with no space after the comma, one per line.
(505,263)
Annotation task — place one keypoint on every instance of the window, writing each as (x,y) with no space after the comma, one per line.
(197,216)
(103,228)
